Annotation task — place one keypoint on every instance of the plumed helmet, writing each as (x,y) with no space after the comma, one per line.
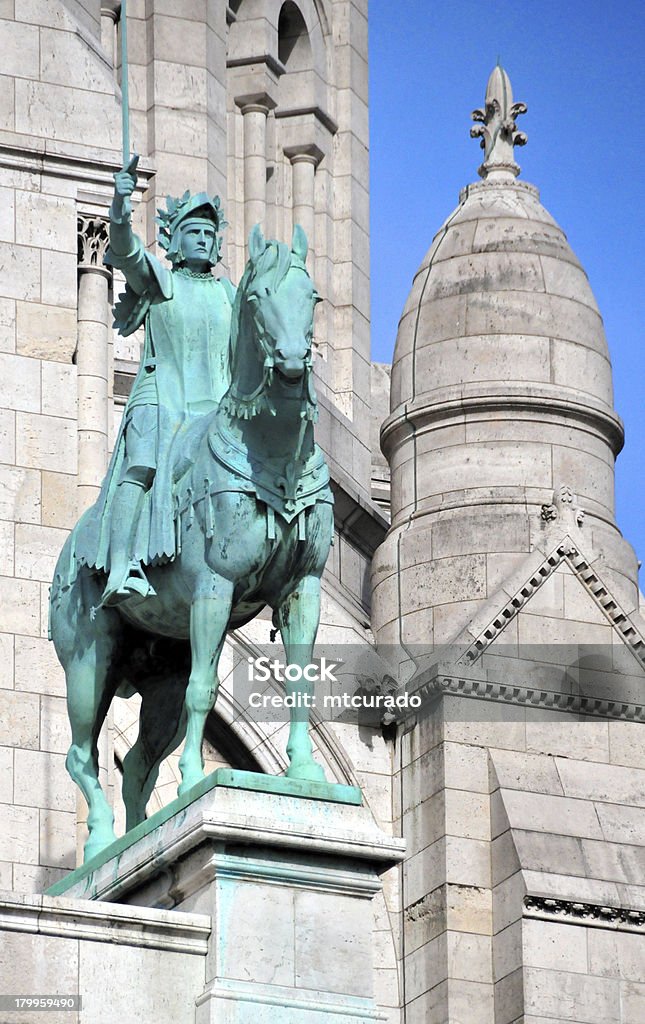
(201,205)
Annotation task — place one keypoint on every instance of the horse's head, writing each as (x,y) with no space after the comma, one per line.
(272,328)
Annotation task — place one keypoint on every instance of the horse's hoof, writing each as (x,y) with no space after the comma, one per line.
(307,771)
(94,846)
(185,787)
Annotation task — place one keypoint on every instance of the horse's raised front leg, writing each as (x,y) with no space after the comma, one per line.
(298,619)
(209,618)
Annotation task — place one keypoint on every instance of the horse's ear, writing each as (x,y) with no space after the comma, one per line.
(257,245)
(299,244)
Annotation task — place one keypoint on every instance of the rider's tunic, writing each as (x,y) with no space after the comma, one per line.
(184,373)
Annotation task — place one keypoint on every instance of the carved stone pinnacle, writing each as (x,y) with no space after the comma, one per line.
(497,130)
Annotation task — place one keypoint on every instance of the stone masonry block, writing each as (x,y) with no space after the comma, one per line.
(61,51)
(469,908)
(471,1001)
(426,967)
(507,950)
(46,332)
(19,383)
(7,215)
(601,781)
(533,772)
(504,859)
(20,49)
(586,741)
(620,823)
(556,947)
(616,954)
(6,548)
(469,957)
(59,500)
(32,962)
(58,278)
(59,389)
(20,603)
(7,436)
(19,719)
(58,838)
(572,997)
(67,114)
(37,549)
(467,861)
(48,222)
(338,922)
(42,781)
(467,814)
(7,103)
(181,86)
(6,661)
(6,774)
(55,731)
(625,744)
(19,494)
(18,837)
(425,823)
(261,917)
(507,902)
(424,872)
(538,812)
(7,325)
(46,442)
(20,269)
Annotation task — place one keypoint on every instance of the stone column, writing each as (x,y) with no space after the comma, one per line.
(254,111)
(110,12)
(304,161)
(92,358)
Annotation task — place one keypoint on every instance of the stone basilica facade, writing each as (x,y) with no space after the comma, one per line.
(480,553)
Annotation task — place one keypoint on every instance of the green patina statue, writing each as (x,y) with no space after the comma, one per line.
(216,502)
(183,375)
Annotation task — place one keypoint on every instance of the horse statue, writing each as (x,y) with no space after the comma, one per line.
(254,521)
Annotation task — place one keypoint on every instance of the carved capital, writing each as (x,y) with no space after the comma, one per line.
(93,241)
(308,153)
(111,9)
(257,102)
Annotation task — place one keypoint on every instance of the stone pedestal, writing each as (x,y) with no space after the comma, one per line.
(286,871)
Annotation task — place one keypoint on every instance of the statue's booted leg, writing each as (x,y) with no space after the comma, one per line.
(126,577)
(209,618)
(298,619)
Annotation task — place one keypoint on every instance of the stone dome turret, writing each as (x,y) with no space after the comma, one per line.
(501,379)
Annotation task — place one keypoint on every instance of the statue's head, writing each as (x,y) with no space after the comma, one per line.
(190,230)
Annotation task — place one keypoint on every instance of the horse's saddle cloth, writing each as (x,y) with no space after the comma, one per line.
(287,487)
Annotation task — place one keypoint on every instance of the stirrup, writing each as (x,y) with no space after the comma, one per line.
(132,585)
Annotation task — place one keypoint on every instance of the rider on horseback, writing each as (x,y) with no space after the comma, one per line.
(183,375)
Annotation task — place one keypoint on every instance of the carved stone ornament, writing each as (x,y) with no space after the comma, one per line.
(564,507)
(497,129)
(92,242)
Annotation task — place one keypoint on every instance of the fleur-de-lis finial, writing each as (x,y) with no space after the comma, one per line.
(497,130)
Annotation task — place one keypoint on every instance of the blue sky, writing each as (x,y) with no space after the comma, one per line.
(579,68)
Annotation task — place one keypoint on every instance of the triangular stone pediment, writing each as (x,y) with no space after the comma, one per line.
(556,625)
